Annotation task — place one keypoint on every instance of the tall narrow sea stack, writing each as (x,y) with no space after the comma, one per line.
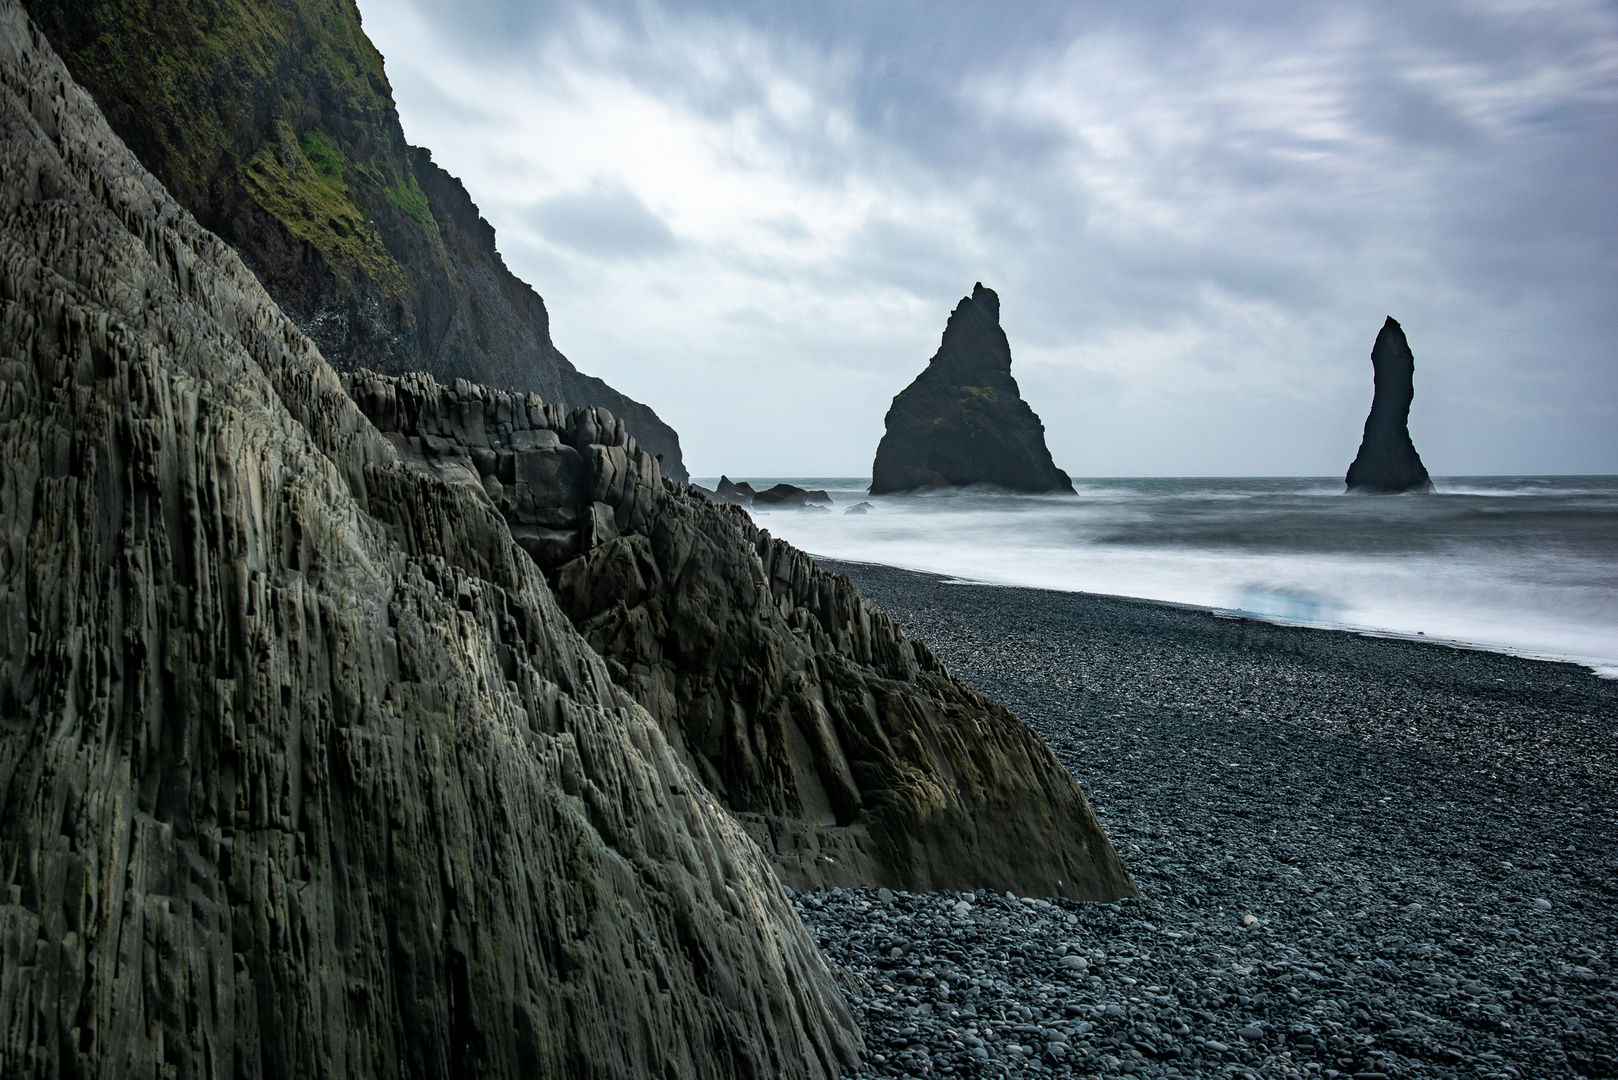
(963,422)
(1387,462)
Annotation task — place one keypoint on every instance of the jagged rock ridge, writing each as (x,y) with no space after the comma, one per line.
(845,748)
(1387,462)
(963,421)
(302,771)
(275,126)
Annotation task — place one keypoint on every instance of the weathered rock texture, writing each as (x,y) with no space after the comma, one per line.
(302,771)
(275,126)
(845,747)
(963,422)
(1387,461)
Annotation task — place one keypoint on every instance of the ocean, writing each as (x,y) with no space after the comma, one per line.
(1520,564)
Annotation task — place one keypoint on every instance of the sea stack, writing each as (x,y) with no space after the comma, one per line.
(1387,462)
(963,421)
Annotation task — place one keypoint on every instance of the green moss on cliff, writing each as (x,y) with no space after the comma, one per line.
(407,195)
(323,154)
(300,181)
(209,92)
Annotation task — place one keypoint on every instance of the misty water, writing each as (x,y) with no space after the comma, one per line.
(1527,565)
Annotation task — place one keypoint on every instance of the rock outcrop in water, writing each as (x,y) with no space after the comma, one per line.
(963,421)
(275,126)
(303,771)
(1387,462)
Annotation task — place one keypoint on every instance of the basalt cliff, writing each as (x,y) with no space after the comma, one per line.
(275,126)
(963,421)
(845,748)
(358,725)
(1387,462)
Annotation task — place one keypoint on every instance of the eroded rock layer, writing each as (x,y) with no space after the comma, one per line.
(963,421)
(1387,462)
(302,771)
(846,747)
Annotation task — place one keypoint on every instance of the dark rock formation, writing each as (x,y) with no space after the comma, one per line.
(844,747)
(859,508)
(1387,461)
(302,771)
(963,421)
(741,494)
(275,126)
(789,495)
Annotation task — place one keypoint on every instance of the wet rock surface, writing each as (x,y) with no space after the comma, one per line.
(1358,857)
(843,746)
(963,421)
(1387,462)
(302,771)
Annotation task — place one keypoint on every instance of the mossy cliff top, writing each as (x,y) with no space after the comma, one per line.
(275,125)
(286,103)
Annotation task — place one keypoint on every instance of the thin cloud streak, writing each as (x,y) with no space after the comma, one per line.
(757,217)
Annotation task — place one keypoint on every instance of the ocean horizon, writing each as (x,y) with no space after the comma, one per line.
(1525,565)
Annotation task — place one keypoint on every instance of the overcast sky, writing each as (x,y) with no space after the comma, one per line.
(756,217)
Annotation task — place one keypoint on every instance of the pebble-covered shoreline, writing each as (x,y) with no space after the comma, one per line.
(1360,857)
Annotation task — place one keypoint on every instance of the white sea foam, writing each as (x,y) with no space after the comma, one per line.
(1526,565)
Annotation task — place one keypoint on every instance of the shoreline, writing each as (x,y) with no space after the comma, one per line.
(1419,834)
(1607,670)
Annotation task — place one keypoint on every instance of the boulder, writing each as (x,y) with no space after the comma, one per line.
(963,422)
(1387,462)
(860,508)
(304,771)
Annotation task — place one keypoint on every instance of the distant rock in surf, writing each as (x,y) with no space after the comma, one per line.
(963,421)
(789,495)
(1387,462)
(859,508)
(740,494)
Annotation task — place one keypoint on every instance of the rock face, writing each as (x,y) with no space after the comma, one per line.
(302,771)
(275,126)
(1387,461)
(963,421)
(791,495)
(844,747)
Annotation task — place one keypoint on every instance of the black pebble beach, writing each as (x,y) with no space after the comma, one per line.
(1359,857)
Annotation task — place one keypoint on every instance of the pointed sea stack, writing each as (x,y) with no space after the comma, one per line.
(963,421)
(1387,462)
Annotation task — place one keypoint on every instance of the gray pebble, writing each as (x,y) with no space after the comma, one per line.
(1391,936)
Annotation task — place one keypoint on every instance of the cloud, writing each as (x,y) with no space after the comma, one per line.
(605,220)
(1197,217)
